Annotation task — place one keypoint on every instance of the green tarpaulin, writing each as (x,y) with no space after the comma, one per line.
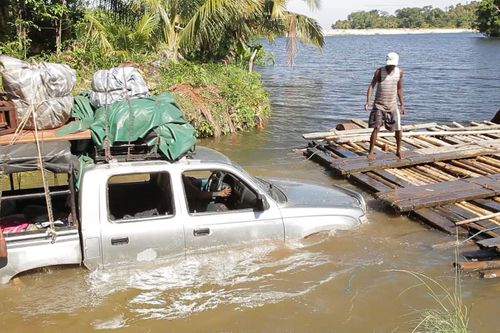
(130,120)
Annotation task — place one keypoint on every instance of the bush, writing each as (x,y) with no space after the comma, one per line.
(216,98)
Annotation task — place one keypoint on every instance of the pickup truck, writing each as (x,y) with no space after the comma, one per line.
(140,210)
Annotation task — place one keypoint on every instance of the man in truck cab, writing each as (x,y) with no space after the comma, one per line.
(199,200)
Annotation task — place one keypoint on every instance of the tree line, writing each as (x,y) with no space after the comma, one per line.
(483,15)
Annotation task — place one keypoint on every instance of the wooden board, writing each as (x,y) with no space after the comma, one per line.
(490,242)
(341,151)
(389,160)
(45,136)
(438,221)
(370,183)
(487,204)
(430,195)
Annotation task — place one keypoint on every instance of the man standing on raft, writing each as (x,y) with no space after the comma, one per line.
(385,109)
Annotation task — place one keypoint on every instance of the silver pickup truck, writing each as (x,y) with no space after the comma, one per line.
(143,210)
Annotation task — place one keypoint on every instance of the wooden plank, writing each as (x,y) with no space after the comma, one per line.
(341,151)
(389,160)
(319,156)
(45,136)
(370,183)
(436,220)
(487,204)
(490,242)
(430,195)
(394,179)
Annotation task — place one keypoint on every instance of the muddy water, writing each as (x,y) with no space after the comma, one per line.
(347,282)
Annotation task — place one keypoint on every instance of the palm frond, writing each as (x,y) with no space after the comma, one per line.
(97,31)
(309,31)
(313,4)
(214,15)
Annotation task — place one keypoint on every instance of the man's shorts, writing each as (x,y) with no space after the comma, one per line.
(390,120)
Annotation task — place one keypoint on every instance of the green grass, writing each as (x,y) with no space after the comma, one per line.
(449,315)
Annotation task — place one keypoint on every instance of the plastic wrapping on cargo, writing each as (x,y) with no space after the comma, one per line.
(43,87)
(50,113)
(57,157)
(117,84)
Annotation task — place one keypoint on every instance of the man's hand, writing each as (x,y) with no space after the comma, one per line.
(402,109)
(367,106)
(225,192)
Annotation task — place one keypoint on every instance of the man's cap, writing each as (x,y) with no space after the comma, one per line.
(392,59)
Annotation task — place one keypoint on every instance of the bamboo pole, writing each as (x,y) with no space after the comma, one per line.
(479,218)
(357,131)
(473,266)
(357,138)
(456,170)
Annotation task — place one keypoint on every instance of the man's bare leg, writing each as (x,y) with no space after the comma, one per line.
(399,135)
(373,139)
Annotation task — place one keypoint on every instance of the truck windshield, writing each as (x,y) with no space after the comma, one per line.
(275,192)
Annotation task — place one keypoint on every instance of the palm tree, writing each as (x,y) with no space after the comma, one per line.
(295,26)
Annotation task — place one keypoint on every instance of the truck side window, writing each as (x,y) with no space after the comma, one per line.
(139,196)
(203,189)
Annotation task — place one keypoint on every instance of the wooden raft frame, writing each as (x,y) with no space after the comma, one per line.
(444,180)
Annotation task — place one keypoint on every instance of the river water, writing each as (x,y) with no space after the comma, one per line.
(349,282)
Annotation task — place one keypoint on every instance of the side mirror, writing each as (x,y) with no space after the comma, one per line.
(262,203)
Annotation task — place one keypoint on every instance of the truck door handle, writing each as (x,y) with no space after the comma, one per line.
(119,241)
(201,232)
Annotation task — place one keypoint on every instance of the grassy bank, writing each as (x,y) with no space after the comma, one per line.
(217,99)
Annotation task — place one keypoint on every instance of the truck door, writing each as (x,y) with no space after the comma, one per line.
(227,220)
(139,220)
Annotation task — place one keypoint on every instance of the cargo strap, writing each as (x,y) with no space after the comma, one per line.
(51,231)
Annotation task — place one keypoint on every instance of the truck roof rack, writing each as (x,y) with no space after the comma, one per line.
(124,152)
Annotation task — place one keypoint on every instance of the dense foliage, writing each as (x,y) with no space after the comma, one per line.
(459,16)
(488,17)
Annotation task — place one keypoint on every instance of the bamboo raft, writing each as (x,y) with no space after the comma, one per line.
(449,178)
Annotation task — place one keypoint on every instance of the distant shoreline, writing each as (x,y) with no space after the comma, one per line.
(341,32)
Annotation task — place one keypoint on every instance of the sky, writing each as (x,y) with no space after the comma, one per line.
(333,10)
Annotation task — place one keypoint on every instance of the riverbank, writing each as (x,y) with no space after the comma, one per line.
(341,32)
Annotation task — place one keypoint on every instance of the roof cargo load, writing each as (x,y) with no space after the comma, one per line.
(44,88)
(154,121)
(116,84)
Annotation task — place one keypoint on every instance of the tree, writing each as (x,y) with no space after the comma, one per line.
(217,29)
(38,24)
(488,17)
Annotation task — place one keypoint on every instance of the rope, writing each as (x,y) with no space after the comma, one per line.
(51,231)
(106,143)
(130,113)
